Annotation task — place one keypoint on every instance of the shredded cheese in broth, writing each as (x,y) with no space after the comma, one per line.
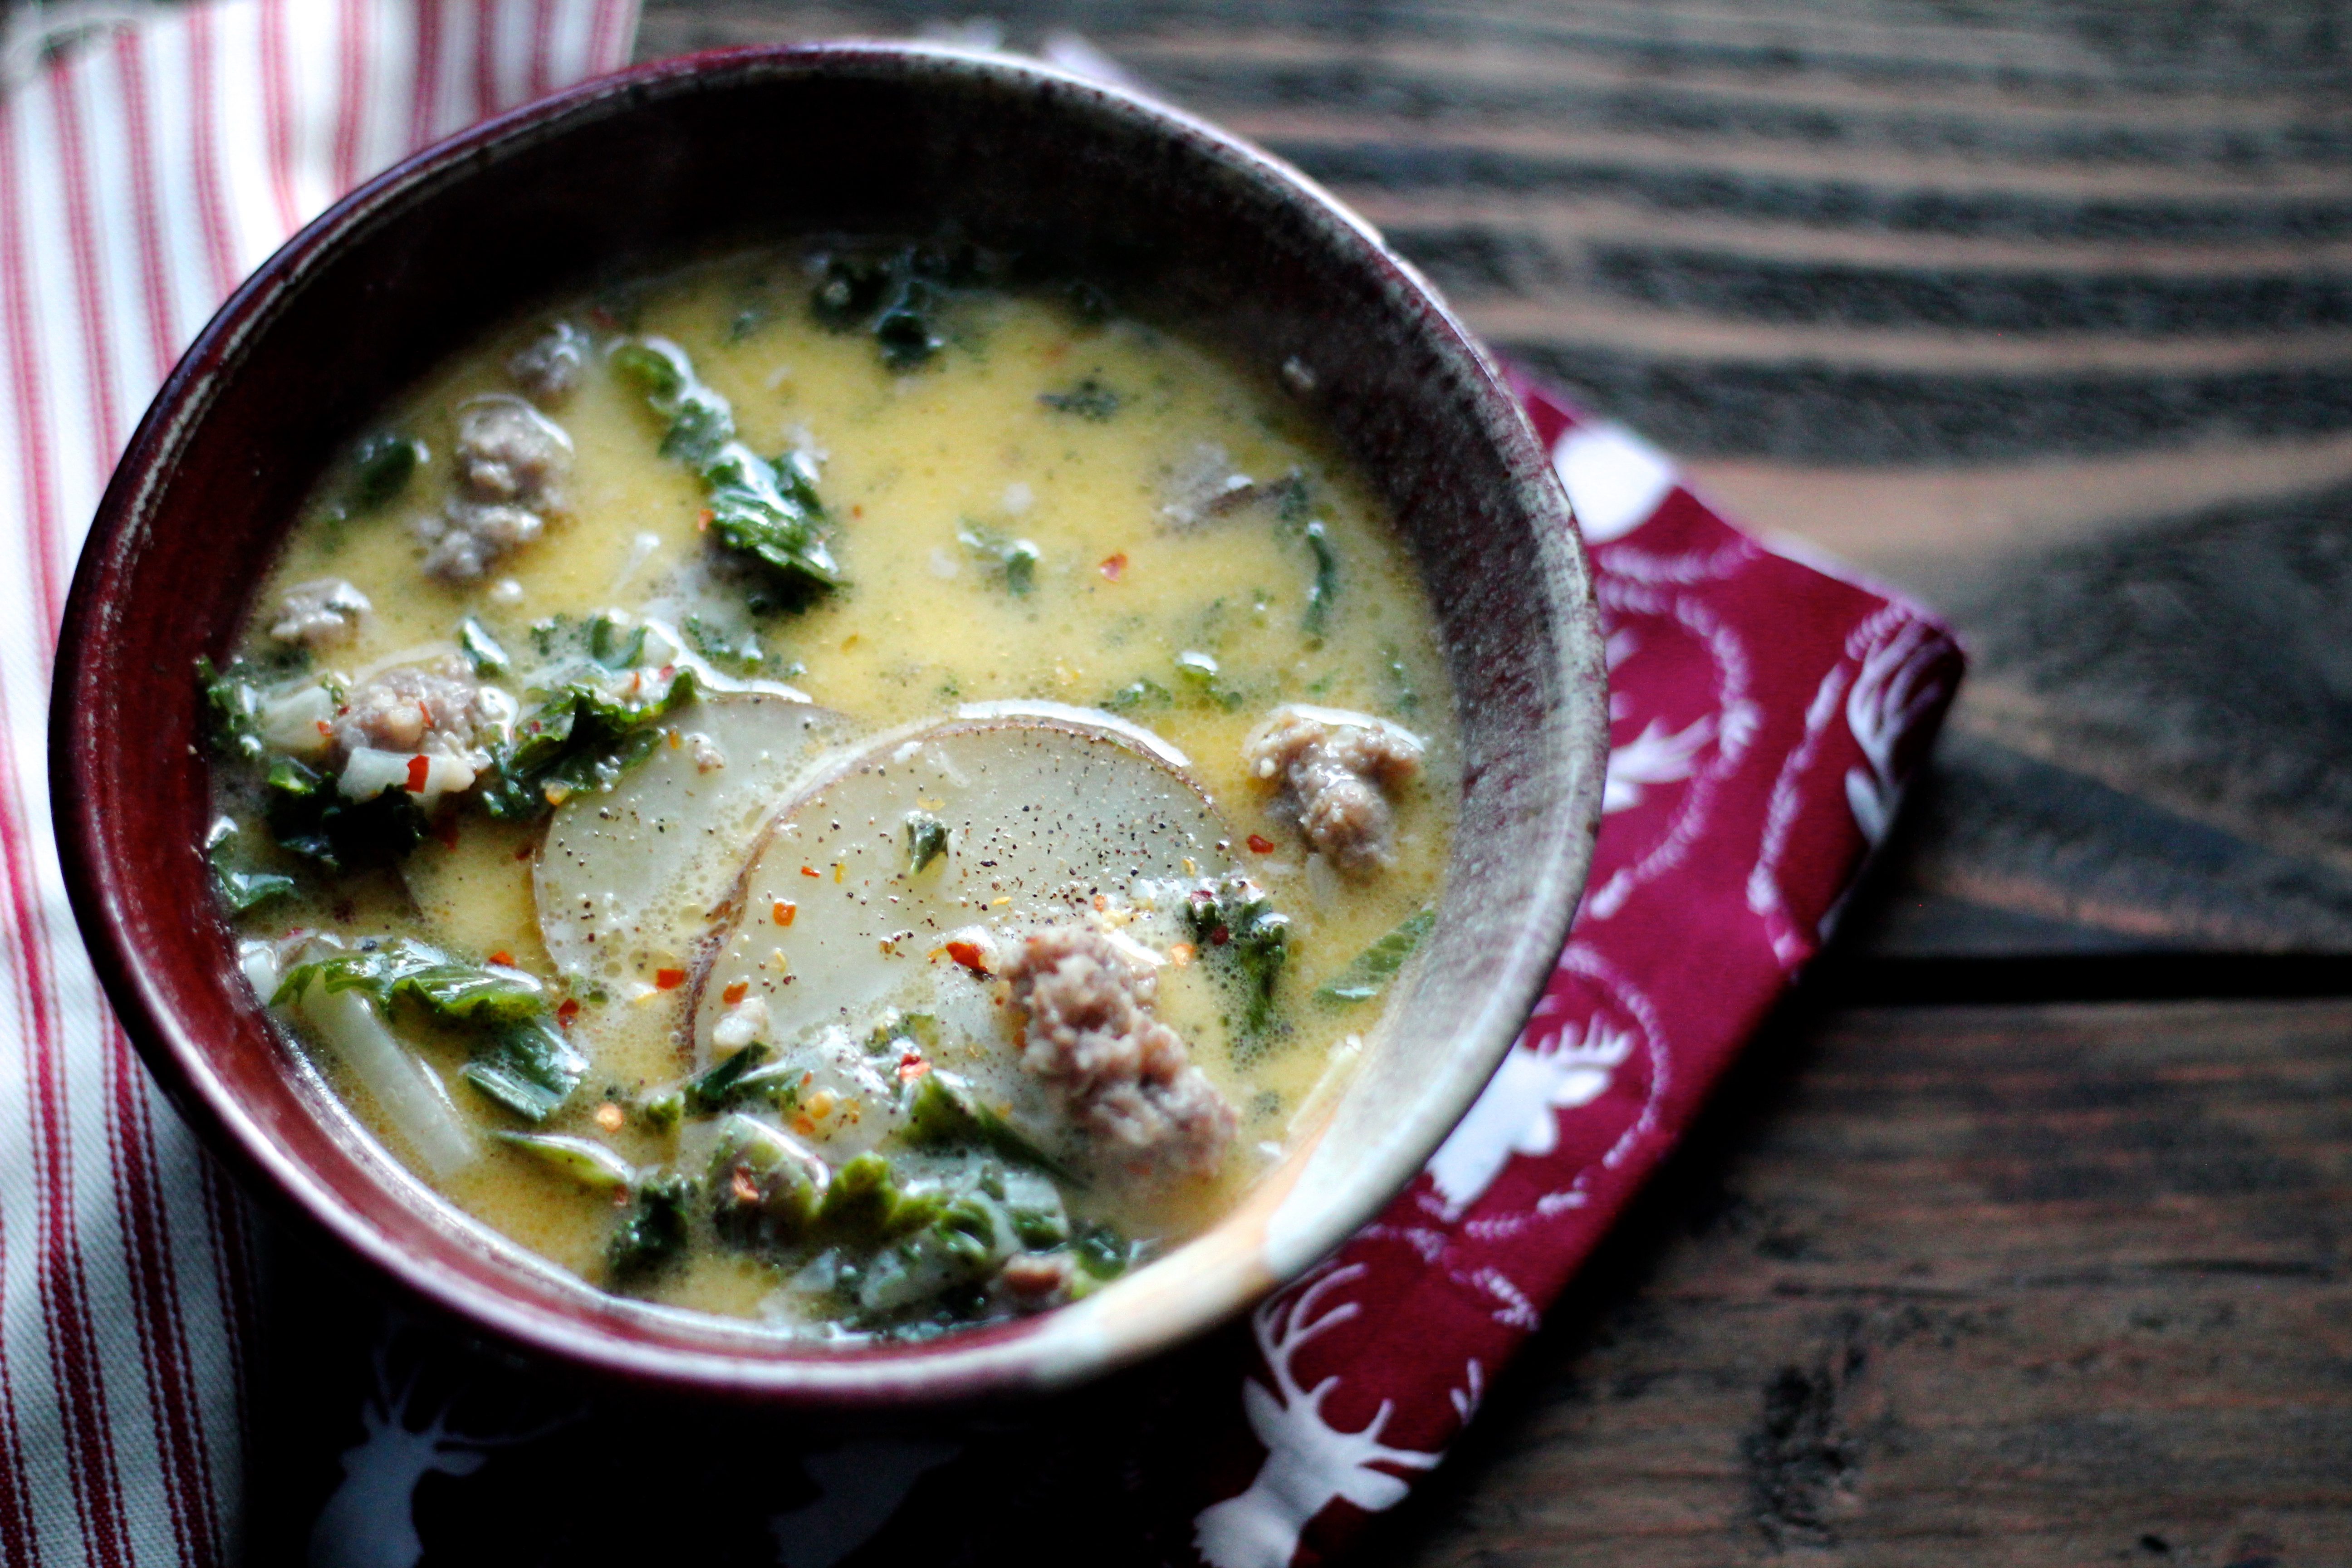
(827,789)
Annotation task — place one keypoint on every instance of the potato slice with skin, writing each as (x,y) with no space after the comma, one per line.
(627,878)
(832,922)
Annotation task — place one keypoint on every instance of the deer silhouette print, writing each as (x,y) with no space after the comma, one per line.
(369,1521)
(1308,1464)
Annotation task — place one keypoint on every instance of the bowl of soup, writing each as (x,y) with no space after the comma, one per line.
(854,725)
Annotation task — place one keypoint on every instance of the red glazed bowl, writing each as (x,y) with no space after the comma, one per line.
(1238,248)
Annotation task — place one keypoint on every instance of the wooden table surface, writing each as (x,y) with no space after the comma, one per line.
(2023,1237)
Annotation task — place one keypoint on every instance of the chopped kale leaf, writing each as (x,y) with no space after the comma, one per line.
(927,840)
(1234,920)
(1142,692)
(232,709)
(240,890)
(1102,1251)
(520,1058)
(768,512)
(1015,559)
(480,648)
(1378,964)
(584,735)
(944,1114)
(309,815)
(1325,590)
(897,296)
(1089,399)
(381,466)
(715,644)
(720,1085)
(653,1234)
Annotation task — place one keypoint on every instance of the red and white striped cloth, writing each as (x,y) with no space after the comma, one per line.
(143,174)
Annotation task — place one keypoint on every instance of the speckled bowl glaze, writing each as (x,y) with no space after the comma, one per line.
(873,138)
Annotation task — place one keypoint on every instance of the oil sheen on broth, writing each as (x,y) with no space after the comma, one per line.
(823,788)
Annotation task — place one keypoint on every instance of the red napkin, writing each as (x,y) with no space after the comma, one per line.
(1766,713)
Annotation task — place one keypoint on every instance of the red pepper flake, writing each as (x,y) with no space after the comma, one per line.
(567,1010)
(324,728)
(737,991)
(703,518)
(418,768)
(808,872)
(445,832)
(786,912)
(1115,566)
(1260,844)
(745,1190)
(857,509)
(522,851)
(503,956)
(669,979)
(968,954)
(912,1067)
(1219,936)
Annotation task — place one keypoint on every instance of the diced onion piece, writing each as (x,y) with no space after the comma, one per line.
(371,771)
(296,722)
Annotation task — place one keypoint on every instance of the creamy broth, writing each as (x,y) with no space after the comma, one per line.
(1074,552)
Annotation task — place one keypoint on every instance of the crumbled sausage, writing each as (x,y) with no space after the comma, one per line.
(1203,486)
(548,367)
(509,451)
(1088,1031)
(512,461)
(1335,772)
(465,536)
(324,612)
(424,710)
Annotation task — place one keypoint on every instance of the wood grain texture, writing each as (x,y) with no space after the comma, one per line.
(1956,1286)
(2043,311)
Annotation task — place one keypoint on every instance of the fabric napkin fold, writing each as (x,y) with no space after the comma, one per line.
(1766,713)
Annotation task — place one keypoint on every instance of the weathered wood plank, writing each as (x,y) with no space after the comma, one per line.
(1957,1286)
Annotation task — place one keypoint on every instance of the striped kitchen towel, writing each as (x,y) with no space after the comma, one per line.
(149,159)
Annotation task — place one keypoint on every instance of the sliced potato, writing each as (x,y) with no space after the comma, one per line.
(849,907)
(627,879)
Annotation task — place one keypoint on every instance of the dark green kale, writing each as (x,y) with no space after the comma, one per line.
(1377,965)
(1102,1251)
(1200,674)
(1325,590)
(481,649)
(1234,921)
(899,297)
(1141,692)
(653,1234)
(381,466)
(1089,399)
(865,1204)
(714,643)
(927,840)
(520,1058)
(944,1114)
(232,709)
(309,815)
(1016,559)
(764,1188)
(586,733)
(721,1084)
(240,890)
(768,512)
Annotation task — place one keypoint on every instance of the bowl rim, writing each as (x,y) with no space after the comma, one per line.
(984,1362)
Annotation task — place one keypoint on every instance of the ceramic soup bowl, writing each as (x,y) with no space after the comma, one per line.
(859,138)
